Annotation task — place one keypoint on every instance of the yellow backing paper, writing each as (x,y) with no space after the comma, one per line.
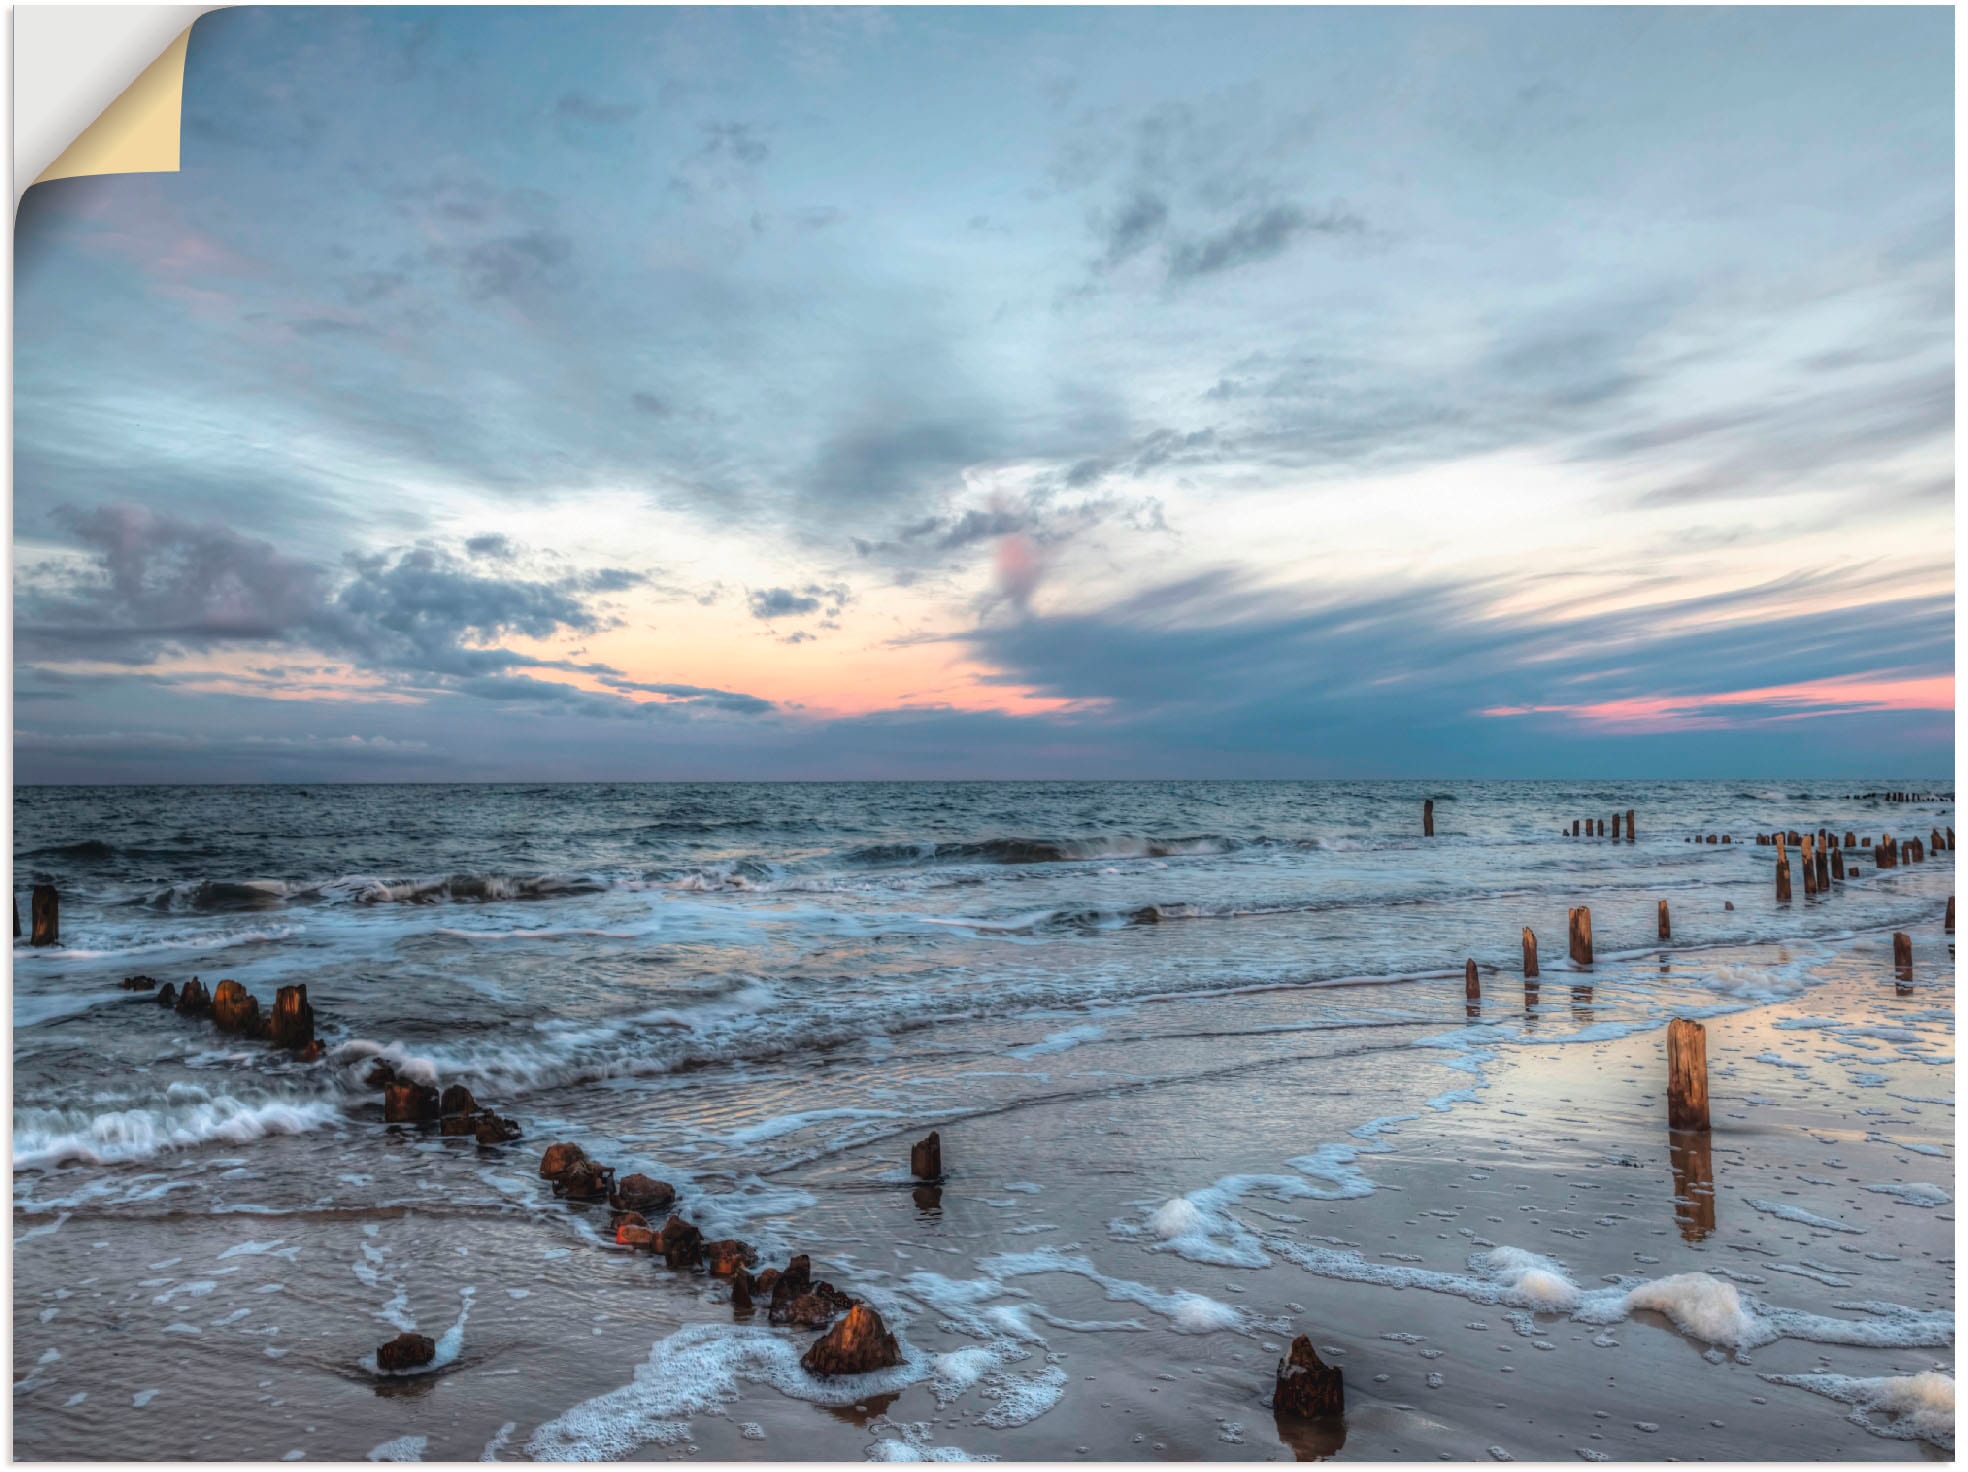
(138,132)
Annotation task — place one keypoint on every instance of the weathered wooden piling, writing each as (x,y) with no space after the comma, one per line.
(1838,863)
(1428,818)
(1307,1386)
(1810,867)
(1616,827)
(16,917)
(926,1157)
(1851,839)
(1660,923)
(46,916)
(1472,988)
(1822,858)
(1575,827)
(1579,931)
(1602,827)
(1948,924)
(1687,1075)
(1629,825)
(1531,953)
(1783,873)
(1903,955)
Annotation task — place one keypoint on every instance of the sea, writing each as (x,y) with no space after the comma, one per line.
(1155,1023)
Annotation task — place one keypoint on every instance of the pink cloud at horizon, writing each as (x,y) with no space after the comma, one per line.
(1843,695)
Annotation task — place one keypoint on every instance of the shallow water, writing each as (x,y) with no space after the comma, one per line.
(1177,1037)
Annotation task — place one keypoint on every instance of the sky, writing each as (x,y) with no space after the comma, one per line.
(622,394)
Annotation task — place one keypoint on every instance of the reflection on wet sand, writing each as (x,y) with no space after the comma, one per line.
(863,1412)
(1582,1004)
(1689,1157)
(1311,1441)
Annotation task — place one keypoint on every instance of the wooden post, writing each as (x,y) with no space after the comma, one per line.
(1810,868)
(1661,923)
(16,917)
(46,917)
(1838,863)
(1616,827)
(1602,827)
(1824,867)
(1629,825)
(1950,840)
(1307,1387)
(926,1158)
(1575,827)
(1581,936)
(1428,818)
(1687,1075)
(1531,949)
(1472,989)
(1783,876)
(1851,839)
(1903,955)
(1949,923)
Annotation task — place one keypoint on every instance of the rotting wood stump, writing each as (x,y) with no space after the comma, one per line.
(1687,1075)
(1307,1386)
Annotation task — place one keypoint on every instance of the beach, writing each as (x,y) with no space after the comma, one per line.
(1201,1063)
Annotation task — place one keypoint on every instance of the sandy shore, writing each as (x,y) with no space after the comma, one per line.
(1114,1270)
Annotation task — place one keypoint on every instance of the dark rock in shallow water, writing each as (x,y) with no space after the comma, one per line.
(457,1099)
(727,1256)
(1307,1386)
(793,1282)
(816,1308)
(644,1194)
(235,1009)
(856,1345)
(681,1244)
(405,1352)
(584,1181)
(193,999)
(560,1159)
(291,1023)
(168,997)
(926,1158)
(312,1053)
(407,1103)
(495,1129)
(458,1126)
(140,983)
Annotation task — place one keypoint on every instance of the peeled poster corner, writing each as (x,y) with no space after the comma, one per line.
(98,90)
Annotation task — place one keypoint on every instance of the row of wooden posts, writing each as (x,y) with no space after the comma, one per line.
(1586,827)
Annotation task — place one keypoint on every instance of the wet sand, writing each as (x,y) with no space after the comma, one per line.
(1052,1302)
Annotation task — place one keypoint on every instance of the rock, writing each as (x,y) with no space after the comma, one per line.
(291,1023)
(140,983)
(495,1129)
(856,1345)
(681,1244)
(407,1103)
(381,1075)
(458,1126)
(623,1219)
(235,1009)
(193,1000)
(644,1194)
(763,1283)
(405,1352)
(727,1256)
(816,1308)
(1308,1387)
(791,1283)
(560,1159)
(642,1238)
(741,1293)
(926,1158)
(584,1181)
(457,1099)
(168,997)
(312,1053)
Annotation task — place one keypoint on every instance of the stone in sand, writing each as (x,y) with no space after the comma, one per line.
(643,1193)
(408,1103)
(193,999)
(291,1022)
(234,1008)
(560,1159)
(926,1158)
(46,916)
(1307,1386)
(405,1352)
(856,1345)
(457,1099)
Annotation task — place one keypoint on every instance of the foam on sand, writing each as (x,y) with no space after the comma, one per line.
(1919,1407)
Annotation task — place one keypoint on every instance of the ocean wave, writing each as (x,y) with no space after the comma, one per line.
(366,889)
(1020,851)
(120,1130)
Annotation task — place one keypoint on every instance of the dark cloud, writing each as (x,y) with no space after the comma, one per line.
(650,404)
(1131,228)
(770,603)
(512,265)
(422,618)
(1256,236)
(736,141)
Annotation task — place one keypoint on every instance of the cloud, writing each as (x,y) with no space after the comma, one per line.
(1255,236)
(579,107)
(770,603)
(513,265)
(1130,229)
(423,619)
